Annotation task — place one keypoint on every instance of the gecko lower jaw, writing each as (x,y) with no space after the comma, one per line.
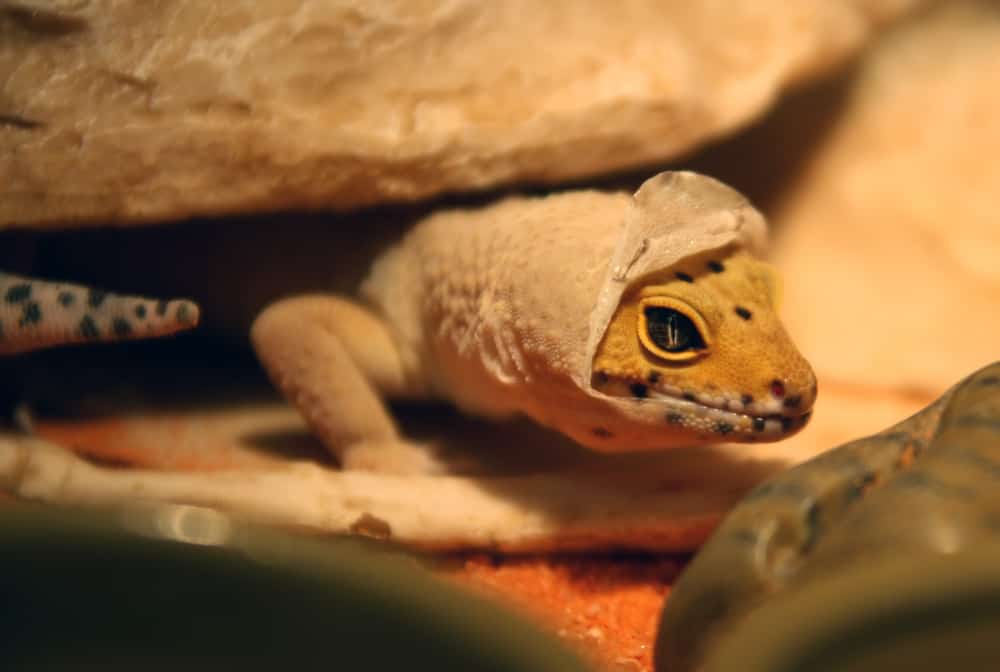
(706,415)
(708,419)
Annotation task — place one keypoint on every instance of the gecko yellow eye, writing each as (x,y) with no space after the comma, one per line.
(670,330)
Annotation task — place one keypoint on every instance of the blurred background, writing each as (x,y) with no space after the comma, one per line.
(235,152)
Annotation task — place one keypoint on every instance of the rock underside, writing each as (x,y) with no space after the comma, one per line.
(122,111)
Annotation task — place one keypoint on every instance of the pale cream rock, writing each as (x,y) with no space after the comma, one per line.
(127,111)
(665,502)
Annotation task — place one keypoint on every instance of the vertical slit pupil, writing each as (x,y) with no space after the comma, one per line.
(672,330)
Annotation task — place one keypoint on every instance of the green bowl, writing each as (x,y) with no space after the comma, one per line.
(938,613)
(185,588)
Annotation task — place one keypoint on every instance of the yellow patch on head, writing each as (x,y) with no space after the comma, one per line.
(707,332)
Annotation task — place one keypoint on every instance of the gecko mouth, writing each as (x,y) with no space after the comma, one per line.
(734,425)
(736,418)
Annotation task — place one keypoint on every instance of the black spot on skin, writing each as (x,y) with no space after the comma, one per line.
(683,276)
(95,297)
(603,433)
(675,418)
(747,399)
(121,327)
(31,314)
(723,428)
(140,311)
(653,377)
(183,314)
(786,424)
(66,298)
(687,396)
(88,328)
(758,424)
(600,378)
(18,293)
(792,402)
(989,380)
(161,308)
(743,312)
(716,266)
(638,390)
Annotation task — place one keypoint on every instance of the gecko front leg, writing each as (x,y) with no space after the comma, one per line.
(332,358)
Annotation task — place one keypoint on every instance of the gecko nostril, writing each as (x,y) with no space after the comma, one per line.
(777,388)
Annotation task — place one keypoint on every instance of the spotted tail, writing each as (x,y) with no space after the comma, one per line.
(36,314)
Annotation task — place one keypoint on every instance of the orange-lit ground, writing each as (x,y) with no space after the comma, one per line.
(607,608)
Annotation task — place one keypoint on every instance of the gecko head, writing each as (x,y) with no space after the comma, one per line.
(701,349)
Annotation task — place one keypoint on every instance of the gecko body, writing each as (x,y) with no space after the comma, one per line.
(625,322)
